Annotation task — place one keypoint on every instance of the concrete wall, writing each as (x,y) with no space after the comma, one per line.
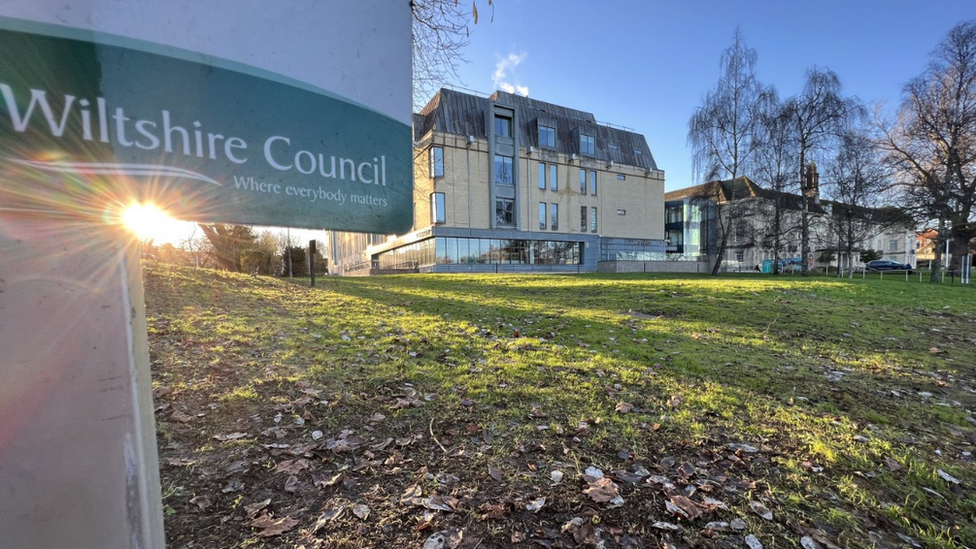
(78,465)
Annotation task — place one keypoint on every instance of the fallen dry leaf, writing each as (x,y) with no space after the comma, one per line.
(328,516)
(761,510)
(534,505)
(412,496)
(202,502)
(292,466)
(714,503)
(623,407)
(437,540)
(947,477)
(602,490)
(255,508)
(807,543)
(361,511)
(440,503)
(230,436)
(891,464)
(753,542)
(493,511)
(689,509)
(270,526)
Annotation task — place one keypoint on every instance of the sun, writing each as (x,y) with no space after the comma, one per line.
(149,222)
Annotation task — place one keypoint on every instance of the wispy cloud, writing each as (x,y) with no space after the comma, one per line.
(505,76)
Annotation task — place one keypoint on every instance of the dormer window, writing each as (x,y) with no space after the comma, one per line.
(503,126)
(587,145)
(547,136)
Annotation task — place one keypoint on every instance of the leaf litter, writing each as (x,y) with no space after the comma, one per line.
(385,457)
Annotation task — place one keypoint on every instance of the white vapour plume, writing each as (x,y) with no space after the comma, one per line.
(505,76)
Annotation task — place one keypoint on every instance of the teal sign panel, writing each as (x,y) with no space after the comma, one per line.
(88,120)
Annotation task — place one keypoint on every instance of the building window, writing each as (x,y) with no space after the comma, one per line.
(587,145)
(593,220)
(437,210)
(553,178)
(676,238)
(638,151)
(503,170)
(740,256)
(547,137)
(740,231)
(542,176)
(504,211)
(437,161)
(673,214)
(542,215)
(892,245)
(593,183)
(621,212)
(554,216)
(621,177)
(582,219)
(582,181)
(503,126)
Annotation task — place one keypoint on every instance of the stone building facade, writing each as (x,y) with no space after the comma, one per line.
(511,184)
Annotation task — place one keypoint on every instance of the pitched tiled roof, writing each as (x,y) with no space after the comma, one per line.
(741,188)
(460,113)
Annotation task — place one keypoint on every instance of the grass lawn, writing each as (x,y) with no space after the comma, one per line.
(482,411)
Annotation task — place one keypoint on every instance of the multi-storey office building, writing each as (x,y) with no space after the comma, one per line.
(509,183)
(752,239)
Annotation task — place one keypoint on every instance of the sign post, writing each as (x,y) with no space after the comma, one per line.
(311,261)
(253,112)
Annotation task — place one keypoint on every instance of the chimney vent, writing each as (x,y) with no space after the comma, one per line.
(811,183)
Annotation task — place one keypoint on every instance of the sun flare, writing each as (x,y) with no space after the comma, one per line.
(149,222)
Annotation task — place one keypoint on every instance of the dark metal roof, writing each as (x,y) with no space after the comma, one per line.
(460,113)
(743,187)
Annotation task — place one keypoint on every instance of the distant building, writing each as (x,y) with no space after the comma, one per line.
(751,240)
(507,183)
(926,249)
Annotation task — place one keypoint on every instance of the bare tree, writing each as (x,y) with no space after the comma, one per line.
(774,166)
(228,242)
(721,132)
(857,179)
(818,114)
(440,34)
(932,143)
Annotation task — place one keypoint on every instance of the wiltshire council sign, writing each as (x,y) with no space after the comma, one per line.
(87,117)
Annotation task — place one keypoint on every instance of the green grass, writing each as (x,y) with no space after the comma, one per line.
(828,378)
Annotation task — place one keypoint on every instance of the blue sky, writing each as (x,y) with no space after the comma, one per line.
(645,65)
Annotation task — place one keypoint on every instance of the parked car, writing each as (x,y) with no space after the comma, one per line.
(888,265)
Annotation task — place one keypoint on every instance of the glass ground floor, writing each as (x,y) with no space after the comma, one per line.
(471,251)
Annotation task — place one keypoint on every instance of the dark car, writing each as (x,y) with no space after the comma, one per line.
(888,265)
